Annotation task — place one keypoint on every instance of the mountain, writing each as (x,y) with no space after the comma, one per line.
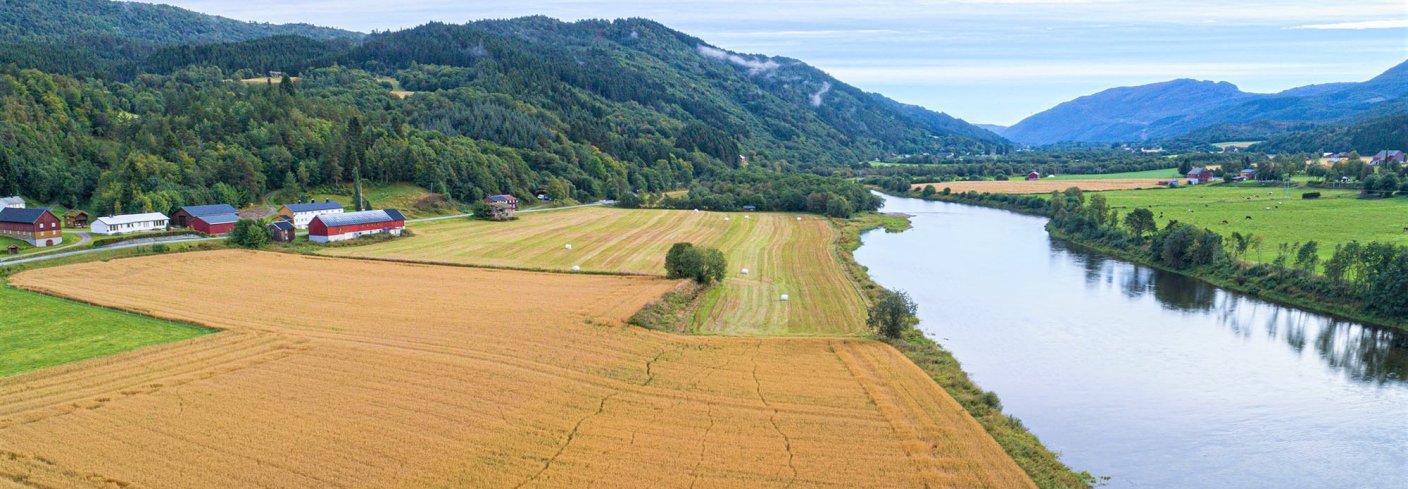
(1367,137)
(1177,108)
(993,128)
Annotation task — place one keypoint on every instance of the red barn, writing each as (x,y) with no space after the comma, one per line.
(208,219)
(1033,176)
(1200,175)
(329,228)
(38,227)
(215,223)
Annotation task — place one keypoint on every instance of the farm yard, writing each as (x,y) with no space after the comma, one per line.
(386,374)
(1337,217)
(1019,186)
(783,255)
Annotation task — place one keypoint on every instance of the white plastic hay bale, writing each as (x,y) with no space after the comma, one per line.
(576,268)
(746,217)
(725,218)
(783,298)
(745,271)
(799,218)
(696,210)
(569,246)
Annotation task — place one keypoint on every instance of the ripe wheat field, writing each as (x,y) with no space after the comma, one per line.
(1044,186)
(783,255)
(349,373)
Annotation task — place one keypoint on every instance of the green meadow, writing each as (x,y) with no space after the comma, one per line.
(38,331)
(1337,217)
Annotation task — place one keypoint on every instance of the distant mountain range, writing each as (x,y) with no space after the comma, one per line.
(1210,110)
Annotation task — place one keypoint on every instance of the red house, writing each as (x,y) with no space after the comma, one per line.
(1033,176)
(1200,175)
(329,228)
(38,226)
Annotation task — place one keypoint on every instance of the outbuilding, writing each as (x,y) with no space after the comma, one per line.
(330,228)
(38,226)
(303,213)
(208,219)
(15,202)
(1386,156)
(281,230)
(509,200)
(1200,175)
(75,218)
(1033,176)
(130,223)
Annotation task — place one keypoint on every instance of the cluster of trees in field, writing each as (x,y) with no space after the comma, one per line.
(702,264)
(1369,277)
(790,192)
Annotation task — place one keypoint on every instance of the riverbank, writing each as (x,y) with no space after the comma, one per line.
(1040,463)
(1264,285)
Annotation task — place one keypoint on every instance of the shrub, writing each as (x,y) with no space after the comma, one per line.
(891,314)
(1310,195)
(249,233)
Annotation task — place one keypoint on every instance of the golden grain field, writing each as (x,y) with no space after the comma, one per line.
(1044,186)
(348,373)
(782,254)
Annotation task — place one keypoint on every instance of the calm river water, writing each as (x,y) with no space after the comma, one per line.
(1151,378)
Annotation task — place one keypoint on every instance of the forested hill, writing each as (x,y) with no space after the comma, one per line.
(585,110)
(1184,108)
(63,21)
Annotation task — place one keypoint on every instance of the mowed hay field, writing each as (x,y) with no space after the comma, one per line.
(783,255)
(348,373)
(1043,186)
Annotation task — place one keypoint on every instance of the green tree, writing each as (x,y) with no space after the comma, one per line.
(1308,256)
(928,191)
(1140,222)
(704,265)
(892,313)
(249,233)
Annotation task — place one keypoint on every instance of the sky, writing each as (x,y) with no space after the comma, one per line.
(986,61)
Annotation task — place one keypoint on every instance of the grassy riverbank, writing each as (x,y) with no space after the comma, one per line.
(1041,464)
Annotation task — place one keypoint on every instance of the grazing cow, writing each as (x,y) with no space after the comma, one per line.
(1249,218)
(1224,221)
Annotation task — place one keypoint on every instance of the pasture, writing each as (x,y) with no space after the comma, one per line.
(783,255)
(39,331)
(1337,217)
(1043,186)
(350,373)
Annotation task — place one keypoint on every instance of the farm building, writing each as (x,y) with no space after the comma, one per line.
(281,231)
(1033,176)
(1386,156)
(502,199)
(303,213)
(329,228)
(208,219)
(130,223)
(15,202)
(76,219)
(38,227)
(500,211)
(1200,175)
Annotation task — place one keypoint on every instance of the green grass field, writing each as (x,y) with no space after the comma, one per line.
(1338,217)
(1165,173)
(41,331)
(401,196)
(783,255)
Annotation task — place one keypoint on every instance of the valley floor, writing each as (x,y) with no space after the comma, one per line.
(351,373)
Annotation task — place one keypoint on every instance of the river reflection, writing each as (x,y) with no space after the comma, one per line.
(1367,354)
(1152,378)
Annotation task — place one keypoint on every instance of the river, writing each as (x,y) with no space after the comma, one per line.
(1148,377)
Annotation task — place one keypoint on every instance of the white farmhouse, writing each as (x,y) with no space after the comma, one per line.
(303,213)
(130,223)
(15,202)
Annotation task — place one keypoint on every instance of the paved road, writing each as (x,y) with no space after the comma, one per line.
(545,209)
(95,250)
(190,240)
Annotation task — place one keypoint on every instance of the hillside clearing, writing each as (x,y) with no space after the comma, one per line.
(397,375)
(783,255)
(1018,186)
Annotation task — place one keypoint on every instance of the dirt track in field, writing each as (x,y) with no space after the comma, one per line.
(1044,186)
(345,373)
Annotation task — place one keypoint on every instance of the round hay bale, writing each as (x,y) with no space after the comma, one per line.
(725,218)
(799,218)
(784,298)
(745,271)
(746,217)
(576,268)
(568,247)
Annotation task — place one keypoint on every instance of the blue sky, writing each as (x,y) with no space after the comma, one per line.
(986,61)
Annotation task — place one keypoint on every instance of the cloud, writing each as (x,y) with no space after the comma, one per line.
(1361,25)
(816,97)
(1026,72)
(754,65)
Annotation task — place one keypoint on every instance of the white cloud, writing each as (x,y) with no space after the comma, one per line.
(1361,25)
(1029,71)
(754,65)
(817,97)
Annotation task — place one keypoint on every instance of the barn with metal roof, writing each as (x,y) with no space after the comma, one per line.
(329,228)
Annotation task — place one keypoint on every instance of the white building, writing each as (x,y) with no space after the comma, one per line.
(15,202)
(130,223)
(303,213)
